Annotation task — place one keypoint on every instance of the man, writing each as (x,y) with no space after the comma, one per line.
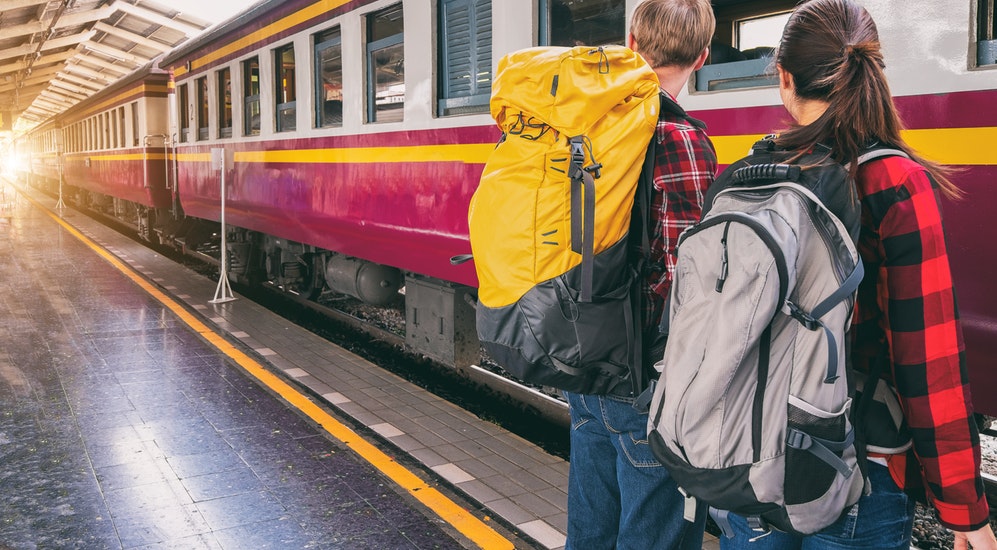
(619,495)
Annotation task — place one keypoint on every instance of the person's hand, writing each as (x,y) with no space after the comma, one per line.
(981,539)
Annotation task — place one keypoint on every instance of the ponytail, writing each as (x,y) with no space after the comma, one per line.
(831,48)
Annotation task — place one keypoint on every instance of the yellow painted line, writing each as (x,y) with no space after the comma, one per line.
(470,526)
(955,146)
(126,156)
(961,146)
(194,157)
(467,153)
(314,10)
(732,148)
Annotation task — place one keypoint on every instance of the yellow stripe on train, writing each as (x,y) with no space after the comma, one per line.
(253,38)
(466,153)
(956,146)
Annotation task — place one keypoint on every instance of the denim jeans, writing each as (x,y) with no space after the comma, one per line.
(882,520)
(619,495)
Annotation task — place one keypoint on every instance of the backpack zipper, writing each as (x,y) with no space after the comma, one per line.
(723,261)
(759,230)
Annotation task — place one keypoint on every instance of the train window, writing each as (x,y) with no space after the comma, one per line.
(385,65)
(986,33)
(743,45)
(135,123)
(465,56)
(286,92)
(105,134)
(225,103)
(329,83)
(184,111)
(201,88)
(582,22)
(251,96)
(121,127)
(113,127)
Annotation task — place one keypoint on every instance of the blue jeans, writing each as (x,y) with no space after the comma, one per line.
(882,520)
(619,495)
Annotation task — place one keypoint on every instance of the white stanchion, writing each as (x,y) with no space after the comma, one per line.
(222,160)
(60,205)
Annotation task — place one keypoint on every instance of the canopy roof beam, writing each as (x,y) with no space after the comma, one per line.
(149,15)
(66,20)
(128,35)
(114,52)
(81,81)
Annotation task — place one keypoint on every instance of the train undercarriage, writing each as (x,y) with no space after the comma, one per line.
(439,315)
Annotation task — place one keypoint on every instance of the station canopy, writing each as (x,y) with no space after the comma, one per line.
(56,53)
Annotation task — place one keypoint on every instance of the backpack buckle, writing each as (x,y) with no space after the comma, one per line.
(798,440)
(803,317)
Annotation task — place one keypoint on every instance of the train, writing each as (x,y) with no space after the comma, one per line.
(351,135)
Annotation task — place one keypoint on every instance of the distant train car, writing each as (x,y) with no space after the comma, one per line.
(358,131)
(110,150)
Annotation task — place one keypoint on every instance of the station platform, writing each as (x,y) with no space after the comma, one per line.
(138,414)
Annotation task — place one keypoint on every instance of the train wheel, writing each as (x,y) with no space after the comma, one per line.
(303,277)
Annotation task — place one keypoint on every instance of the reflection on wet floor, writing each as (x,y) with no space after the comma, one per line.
(121,428)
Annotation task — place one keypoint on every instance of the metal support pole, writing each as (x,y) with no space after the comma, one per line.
(223,292)
(60,205)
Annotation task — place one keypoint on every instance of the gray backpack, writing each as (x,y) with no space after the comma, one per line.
(751,411)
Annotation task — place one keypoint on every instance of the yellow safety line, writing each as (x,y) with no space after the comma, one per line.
(473,528)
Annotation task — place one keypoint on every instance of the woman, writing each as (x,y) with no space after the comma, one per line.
(832,82)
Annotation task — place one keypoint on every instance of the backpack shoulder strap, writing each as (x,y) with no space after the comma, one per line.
(876,153)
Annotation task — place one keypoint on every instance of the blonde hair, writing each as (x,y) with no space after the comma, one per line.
(672,32)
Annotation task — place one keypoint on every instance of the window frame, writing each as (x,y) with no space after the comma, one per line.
(371,47)
(135,136)
(251,100)
(122,138)
(203,112)
(452,99)
(323,41)
(986,33)
(743,73)
(223,83)
(285,114)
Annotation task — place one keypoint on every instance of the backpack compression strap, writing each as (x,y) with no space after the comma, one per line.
(583,213)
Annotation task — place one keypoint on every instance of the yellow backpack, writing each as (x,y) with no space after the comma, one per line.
(550,218)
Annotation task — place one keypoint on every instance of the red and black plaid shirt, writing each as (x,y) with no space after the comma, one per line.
(906,308)
(685,164)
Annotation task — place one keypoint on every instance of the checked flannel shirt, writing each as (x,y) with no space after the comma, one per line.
(685,164)
(906,306)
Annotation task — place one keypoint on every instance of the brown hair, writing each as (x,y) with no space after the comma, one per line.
(672,32)
(831,48)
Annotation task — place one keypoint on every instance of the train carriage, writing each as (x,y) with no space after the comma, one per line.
(110,150)
(127,156)
(358,130)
